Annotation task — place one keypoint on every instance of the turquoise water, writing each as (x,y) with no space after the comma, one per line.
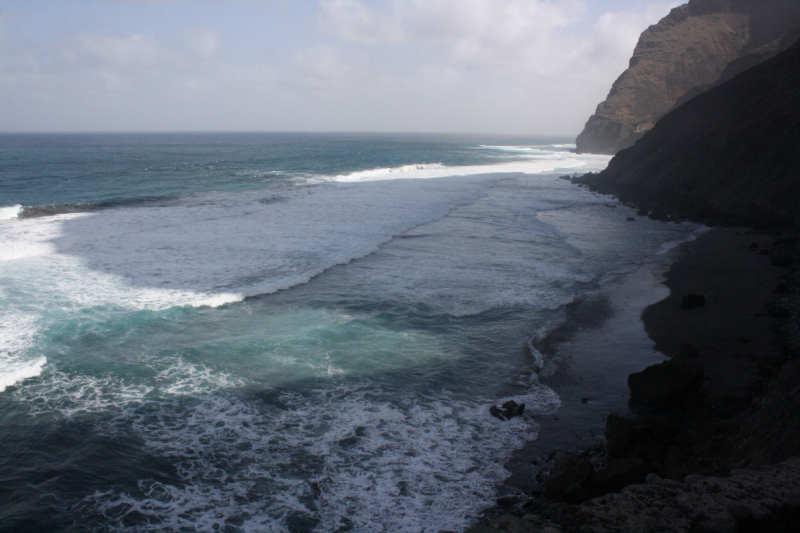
(283,332)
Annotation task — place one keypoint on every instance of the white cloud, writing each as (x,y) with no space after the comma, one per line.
(615,34)
(436,65)
(514,37)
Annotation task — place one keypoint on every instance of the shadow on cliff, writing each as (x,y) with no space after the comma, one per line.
(728,156)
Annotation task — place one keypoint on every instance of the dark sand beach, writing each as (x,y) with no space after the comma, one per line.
(667,454)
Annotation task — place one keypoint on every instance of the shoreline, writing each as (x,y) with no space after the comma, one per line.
(583,367)
(737,337)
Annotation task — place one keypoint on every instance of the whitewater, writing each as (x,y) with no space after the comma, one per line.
(284,332)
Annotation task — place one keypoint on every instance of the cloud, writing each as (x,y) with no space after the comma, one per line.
(514,37)
(352,21)
(615,34)
(436,65)
(202,42)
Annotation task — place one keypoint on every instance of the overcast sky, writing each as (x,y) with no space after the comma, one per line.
(483,66)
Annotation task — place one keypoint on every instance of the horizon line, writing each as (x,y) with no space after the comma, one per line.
(337,132)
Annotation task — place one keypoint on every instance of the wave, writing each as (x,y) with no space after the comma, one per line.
(351,461)
(47,210)
(544,148)
(538,161)
(7,213)
(250,245)
(388,172)
(13,371)
(16,333)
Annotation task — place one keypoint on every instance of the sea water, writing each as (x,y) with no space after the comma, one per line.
(284,332)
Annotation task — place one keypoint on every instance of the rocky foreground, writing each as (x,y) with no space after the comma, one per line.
(714,442)
(763,499)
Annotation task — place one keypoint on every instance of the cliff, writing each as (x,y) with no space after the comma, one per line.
(731,155)
(696,46)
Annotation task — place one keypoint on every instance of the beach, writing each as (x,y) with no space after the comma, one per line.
(741,418)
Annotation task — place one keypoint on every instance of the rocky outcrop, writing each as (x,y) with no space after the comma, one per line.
(766,499)
(729,156)
(696,46)
(667,382)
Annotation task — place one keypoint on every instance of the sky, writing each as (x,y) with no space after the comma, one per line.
(463,66)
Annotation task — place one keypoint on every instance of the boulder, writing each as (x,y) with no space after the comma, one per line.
(507,501)
(510,409)
(667,382)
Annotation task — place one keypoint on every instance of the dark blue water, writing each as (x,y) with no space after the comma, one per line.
(283,332)
(42,169)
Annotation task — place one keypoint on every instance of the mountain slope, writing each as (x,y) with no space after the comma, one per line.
(689,50)
(729,155)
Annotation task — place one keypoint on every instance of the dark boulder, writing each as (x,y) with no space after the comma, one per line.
(667,382)
(507,501)
(510,409)
(497,413)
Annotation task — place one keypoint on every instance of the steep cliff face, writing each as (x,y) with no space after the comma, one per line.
(729,155)
(693,48)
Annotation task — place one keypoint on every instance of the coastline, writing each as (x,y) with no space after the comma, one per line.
(583,366)
(744,346)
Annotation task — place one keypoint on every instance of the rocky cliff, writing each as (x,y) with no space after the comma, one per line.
(730,155)
(696,46)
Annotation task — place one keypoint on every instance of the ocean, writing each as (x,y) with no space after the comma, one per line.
(287,331)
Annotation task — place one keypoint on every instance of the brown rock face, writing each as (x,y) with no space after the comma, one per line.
(693,48)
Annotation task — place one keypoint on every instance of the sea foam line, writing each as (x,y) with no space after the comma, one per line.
(334,457)
(537,162)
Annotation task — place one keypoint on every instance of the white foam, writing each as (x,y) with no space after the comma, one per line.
(10,212)
(20,239)
(12,371)
(215,249)
(335,457)
(16,335)
(403,171)
(538,161)
(68,393)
